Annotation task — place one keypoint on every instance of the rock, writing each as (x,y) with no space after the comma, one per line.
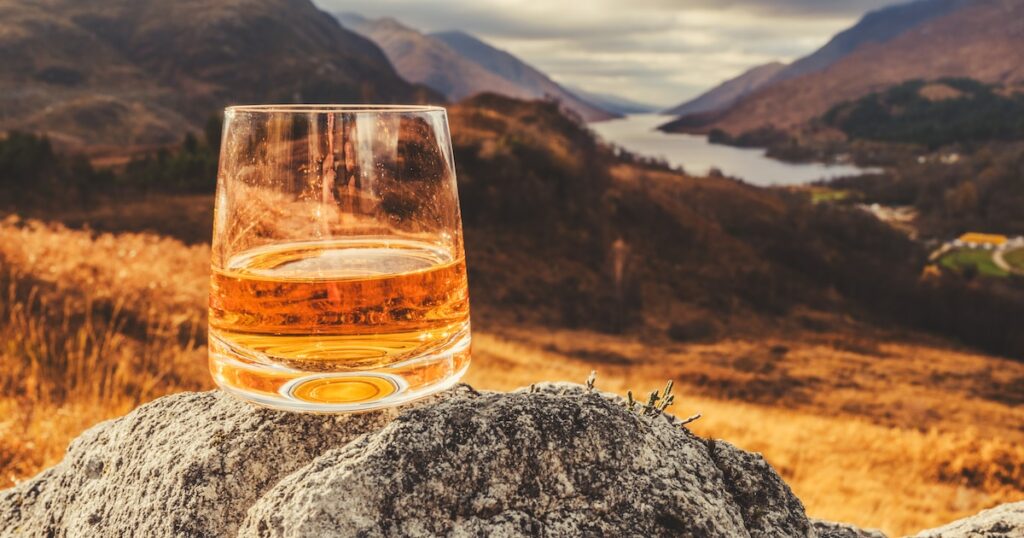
(184,465)
(1005,521)
(765,501)
(557,461)
(829,529)
(560,461)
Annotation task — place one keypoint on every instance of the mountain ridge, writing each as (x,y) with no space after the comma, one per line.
(877,26)
(91,73)
(981,41)
(461,65)
(728,92)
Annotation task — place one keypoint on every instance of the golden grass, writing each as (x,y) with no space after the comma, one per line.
(90,327)
(896,434)
(844,467)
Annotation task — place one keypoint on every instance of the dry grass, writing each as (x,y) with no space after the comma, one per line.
(897,434)
(90,327)
(844,467)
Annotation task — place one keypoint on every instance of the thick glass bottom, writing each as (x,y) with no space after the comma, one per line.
(335,388)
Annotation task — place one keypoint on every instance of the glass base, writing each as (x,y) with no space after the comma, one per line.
(343,391)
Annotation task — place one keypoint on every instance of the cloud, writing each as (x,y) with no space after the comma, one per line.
(657,51)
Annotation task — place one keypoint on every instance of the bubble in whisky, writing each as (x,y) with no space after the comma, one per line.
(283,317)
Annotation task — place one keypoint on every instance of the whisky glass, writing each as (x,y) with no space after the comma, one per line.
(339,277)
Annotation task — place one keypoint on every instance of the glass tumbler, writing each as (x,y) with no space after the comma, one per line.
(339,276)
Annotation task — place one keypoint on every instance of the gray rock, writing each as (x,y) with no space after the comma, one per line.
(765,500)
(1004,521)
(830,529)
(184,465)
(560,461)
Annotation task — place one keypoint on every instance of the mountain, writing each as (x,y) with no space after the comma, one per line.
(426,60)
(524,75)
(519,72)
(460,65)
(613,103)
(877,26)
(728,92)
(983,40)
(123,72)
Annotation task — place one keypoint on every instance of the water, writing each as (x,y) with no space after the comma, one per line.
(696,155)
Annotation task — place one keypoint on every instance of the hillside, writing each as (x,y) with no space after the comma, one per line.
(933,114)
(982,40)
(522,74)
(425,60)
(119,72)
(566,232)
(728,92)
(876,27)
(459,65)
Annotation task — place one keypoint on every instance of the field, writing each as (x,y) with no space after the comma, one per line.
(882,429)
(972,259)
(1015,258)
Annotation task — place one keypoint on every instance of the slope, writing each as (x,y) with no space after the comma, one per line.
(460,65)
(877,26)
(120,72)
(728,92)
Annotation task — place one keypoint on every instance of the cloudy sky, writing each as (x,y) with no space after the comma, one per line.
(656,51)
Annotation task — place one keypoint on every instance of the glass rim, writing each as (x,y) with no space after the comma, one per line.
(334,108)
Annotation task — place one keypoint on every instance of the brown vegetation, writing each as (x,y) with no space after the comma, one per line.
(105,75)
(883,429)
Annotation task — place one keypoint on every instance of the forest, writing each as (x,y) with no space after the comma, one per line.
(933,114)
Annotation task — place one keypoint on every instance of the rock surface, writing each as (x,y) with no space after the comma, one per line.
(1005,521)
(183,465)
(556,461)
(829,529)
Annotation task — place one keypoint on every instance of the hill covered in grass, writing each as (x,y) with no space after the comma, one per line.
(107,74)
(564,231)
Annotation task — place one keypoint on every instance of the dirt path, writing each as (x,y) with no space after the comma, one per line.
(1000,261)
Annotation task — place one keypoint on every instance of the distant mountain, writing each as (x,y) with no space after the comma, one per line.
(522,74)
(876,27)
(122,72)
(983,40)
(460,65)
(613,103)
(728,92)
(423,59)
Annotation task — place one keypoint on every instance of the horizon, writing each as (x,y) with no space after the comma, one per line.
(659,54)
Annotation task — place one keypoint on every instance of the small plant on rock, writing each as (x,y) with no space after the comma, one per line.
(657,401)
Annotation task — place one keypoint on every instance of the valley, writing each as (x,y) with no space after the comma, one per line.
(811,322)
